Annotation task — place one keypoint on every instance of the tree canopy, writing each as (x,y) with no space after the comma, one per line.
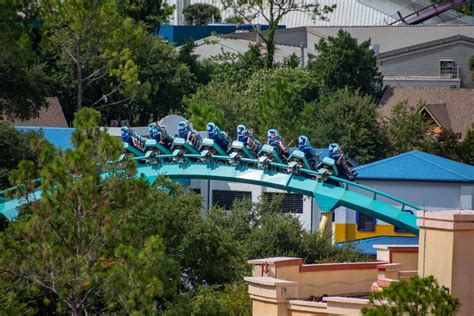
(342,62)
(201,14)
(417,296)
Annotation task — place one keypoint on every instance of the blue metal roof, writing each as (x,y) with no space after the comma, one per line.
(59,137)
(417,166)
(366,245)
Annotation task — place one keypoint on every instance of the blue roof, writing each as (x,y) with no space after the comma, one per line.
(59,137)
(417,166)
(366,245)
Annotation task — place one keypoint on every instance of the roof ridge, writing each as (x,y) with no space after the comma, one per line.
(383,160)
(438,165)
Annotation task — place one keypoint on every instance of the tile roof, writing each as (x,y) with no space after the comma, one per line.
(59,137)
(417,166)
(52,116)
(451,108)
(366,245)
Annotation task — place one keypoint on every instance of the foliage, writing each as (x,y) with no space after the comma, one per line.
(201,14)
(272,13)
(234,19)
(407,129)
(448,144)
(23,84)
(15,147)
(273,98)
(87,242)
(233,299)
(468,147)
(168,80)
(349,119)
(203,113)
(342,61)
(200,70)
(152,12)
(90,43)
(471,63)
(418,296)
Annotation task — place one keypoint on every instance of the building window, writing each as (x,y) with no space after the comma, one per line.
(196,190)
(447,68)
(225,199)
(291,203)
(365,223)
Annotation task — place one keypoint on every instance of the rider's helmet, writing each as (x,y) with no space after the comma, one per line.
(151,127)
(183,125)
(333,147)
(272,134)
(303,141)
(124,130)
(211,128)
(241,129)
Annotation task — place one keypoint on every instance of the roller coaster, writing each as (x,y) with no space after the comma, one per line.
(181,159)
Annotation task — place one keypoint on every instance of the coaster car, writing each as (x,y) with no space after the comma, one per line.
(297,161)
(268,154)
(210,149)
(182,149)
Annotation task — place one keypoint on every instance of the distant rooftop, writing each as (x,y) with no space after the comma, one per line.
(52,116)
(417,166)
(59,137)
(450,108)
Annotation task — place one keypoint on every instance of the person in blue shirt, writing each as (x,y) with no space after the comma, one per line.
(219,137)
(126,134)
(158,133)
(190,136)
(304,145)
(245,136)
(274,139)
(336,153)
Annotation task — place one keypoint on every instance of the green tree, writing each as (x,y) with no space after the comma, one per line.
(468,147)
(89,244)
(15,148)
(152,12)
(407,129)
(273,12)
(448,144)
(201,14)
(91,43)
(23,84)
(341,61)
(349,119)
(203,113)
(168,79)
(418,296)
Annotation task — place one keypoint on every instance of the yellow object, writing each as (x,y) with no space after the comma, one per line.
(325,226)
(347,232)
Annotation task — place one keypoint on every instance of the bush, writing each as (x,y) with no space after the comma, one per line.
(201,14)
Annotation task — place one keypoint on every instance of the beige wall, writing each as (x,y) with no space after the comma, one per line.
(447,252)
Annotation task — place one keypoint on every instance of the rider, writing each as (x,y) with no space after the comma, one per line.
(336,153)
(246,137)
(190,136)
(219,137)
(274,140)
(126,134)
(305,146)
(158,133)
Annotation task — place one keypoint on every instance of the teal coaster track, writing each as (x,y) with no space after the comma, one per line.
(328,190)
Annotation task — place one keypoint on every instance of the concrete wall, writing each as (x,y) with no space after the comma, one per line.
(427,62)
